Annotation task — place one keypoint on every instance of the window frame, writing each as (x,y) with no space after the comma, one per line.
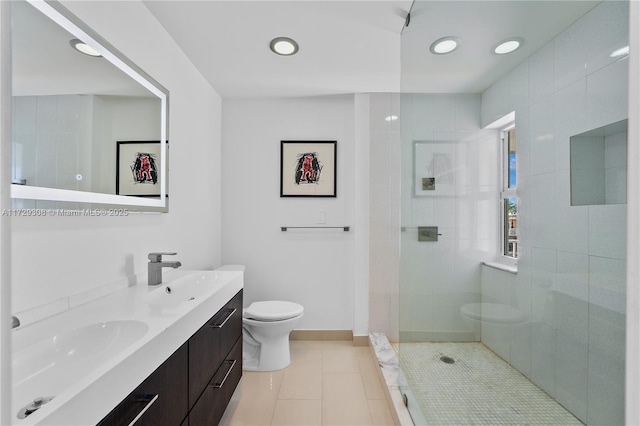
(506,193)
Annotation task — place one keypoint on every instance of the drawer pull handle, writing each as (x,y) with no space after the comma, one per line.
(220,325)
(218,385)
(149,402)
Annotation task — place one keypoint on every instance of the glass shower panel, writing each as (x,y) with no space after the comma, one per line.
(443,199)
(554,324)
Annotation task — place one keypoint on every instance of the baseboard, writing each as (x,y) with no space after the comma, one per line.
(361,340)
(321,335)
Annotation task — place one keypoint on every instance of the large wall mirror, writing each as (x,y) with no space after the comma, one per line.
(72,113)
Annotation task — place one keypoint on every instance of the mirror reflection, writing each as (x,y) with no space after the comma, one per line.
(72,107)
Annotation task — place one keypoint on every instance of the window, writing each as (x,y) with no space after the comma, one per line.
(508,198)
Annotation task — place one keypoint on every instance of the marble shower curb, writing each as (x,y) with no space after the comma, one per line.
(391,375)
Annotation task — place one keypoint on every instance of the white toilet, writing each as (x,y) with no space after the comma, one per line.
(265,334)
(495,318)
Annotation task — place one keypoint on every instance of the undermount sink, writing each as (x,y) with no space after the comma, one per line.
(185,289)
(52,365)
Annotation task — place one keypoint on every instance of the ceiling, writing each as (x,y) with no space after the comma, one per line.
(481,25)
(357,46)
(346,46)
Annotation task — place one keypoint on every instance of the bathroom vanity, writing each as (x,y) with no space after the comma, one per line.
(165,355)
(195,384)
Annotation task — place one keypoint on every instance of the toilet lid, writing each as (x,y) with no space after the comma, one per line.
(273,310)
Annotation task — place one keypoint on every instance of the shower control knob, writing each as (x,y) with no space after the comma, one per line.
(428,233)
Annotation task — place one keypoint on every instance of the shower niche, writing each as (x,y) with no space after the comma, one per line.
(599,165)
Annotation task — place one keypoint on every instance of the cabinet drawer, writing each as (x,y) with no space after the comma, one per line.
(209,346)
(213,402)
(159,400)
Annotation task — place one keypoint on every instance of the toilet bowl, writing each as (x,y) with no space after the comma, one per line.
(492,312)
(265,334)
(494,317)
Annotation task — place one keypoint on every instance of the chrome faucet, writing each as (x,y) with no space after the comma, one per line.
(156,264)
(15,322)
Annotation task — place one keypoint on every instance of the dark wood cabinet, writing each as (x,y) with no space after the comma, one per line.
(160,400)
(210,407)
(209,346)
(193,387)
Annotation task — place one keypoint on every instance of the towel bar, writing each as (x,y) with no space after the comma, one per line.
(285,228)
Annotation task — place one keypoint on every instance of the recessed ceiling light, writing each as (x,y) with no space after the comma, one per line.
(444,45)
(507,46)
(83,47)
(391,118)
(284,46)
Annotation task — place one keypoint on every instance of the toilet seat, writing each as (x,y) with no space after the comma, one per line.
(273,310)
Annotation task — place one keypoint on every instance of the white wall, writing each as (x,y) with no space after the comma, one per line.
(312,267)
(56,257)
(120,119)
(571,271)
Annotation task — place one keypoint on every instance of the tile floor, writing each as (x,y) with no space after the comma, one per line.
(479,388)
(327,383)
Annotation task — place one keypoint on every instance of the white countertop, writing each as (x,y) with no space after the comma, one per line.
(85,400)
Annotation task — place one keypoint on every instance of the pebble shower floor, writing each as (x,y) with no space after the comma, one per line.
(479,388)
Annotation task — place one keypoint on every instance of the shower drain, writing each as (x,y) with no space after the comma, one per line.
(447,359)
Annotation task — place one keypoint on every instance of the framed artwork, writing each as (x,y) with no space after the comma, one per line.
(138,168)
(308,168)
(434,168)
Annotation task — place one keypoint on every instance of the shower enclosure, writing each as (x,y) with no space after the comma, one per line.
(489,339)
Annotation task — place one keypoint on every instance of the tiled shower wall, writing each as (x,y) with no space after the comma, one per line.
(384,213)
(38,120)
(570,283)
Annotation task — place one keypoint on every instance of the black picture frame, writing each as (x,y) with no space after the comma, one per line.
(149,171)
(308,168)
